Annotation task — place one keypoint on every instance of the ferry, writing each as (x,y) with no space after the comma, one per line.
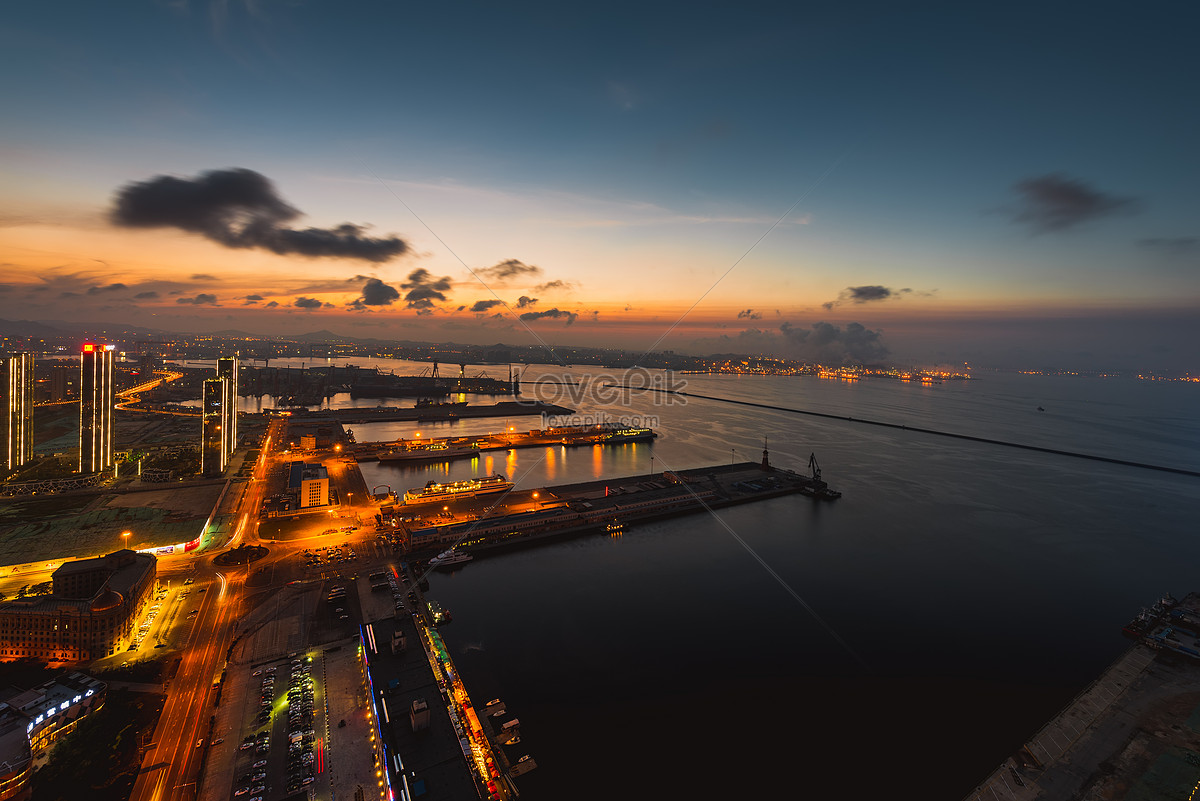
(450,558)
(433,492)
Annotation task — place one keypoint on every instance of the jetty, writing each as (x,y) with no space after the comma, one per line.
(435,413)
(446,448)
(518,518)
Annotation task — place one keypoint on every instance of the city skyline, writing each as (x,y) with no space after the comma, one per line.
(921,187)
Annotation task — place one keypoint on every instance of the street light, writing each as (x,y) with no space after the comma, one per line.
(125,541)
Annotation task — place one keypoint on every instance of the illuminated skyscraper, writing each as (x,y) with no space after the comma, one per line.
(96,410)
(227,368)
(19,420)
(212,437)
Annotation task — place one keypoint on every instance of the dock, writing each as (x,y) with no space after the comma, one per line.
(522,517)
(446,448)
(391,414)
(1131,733)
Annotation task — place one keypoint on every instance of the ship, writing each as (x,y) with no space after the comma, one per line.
(426,403)
(434,492)
(450,558)
(437,613)
(433,452)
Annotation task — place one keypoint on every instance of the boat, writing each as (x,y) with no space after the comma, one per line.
(450,558)
(434,492)
(434,452)
(628,435)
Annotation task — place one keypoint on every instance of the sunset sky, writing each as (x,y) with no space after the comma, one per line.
(1014,184)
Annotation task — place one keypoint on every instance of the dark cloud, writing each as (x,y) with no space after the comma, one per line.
(203,299)
(506,270)
(1172,246)
(147,295)
(524,302)
(204,277)
(1056,203)
(551,314)
(239,209)
(867,294)
(863,294)
(484,305)
(307,303)
(555,284)
(377,293)
(424,289)
(271,305)
(829,344)
(96,290)
(749,314)
(254,298)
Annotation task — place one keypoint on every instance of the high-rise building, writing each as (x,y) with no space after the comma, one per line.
(19,419)
(62,383)
(227,368)
(97,414)
(212,436)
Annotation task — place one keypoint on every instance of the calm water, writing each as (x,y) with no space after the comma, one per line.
(957,596)
(953,600)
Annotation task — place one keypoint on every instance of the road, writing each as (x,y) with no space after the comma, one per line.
(172,765)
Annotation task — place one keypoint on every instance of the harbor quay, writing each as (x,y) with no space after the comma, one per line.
(447,448)
(389,414)
(1133,733)
(497,517)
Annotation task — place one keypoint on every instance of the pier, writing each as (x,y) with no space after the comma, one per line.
(389,414)
(518,518)
(408,451)
(1131,733)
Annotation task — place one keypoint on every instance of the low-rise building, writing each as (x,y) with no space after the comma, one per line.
(309,484)
(31,721)
(91,611)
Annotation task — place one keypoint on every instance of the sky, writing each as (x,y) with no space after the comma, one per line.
(1010,185)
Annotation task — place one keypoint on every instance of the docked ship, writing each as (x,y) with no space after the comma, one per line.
(434,492)
(432,452)
(426,403)
(450,559)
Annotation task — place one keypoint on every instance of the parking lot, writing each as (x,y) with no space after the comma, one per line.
(279,752)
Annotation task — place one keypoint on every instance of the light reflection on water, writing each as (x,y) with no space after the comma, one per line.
(982,585)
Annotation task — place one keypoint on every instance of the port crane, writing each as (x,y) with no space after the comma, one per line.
(816,468)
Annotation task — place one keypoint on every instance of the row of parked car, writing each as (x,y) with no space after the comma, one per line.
(301,736)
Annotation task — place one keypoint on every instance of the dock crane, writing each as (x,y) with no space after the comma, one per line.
(816,468)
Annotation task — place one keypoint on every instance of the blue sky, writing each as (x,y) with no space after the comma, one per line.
(634,154)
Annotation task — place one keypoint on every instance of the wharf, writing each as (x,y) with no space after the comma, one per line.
(523,517)
(429,762)
(1133,733)
(388,414)
(432,449)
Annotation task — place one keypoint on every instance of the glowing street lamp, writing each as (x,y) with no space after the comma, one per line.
(125,538)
